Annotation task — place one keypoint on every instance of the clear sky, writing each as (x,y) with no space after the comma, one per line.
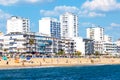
(105,13)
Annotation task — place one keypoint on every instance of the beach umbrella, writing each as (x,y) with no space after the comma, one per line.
(22,57)
(16,60)
(28,58)
(4,58)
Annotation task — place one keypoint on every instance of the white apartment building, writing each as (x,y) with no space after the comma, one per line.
(79,45)
(1,42)
(34,42)
(18,24)
(118,42)
(104,47)
(107,38)
(85,46)
(69,25)
(95,33)
(14,42)
(98,46)
(111,48)
(49,26)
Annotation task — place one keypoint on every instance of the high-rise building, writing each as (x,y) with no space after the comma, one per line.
(50,26)
(18,24)
(95,33)
(69,25)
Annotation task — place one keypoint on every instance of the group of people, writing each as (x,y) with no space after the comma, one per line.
(21,58)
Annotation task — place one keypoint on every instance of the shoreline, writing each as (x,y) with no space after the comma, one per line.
(33,67)
(57,62)
(30,67)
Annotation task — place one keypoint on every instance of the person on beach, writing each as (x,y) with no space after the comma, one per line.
(92,61)
(23,63)
(7,62)
(66,61)
(0,58)
(40,63)
(57,61)
(43,59)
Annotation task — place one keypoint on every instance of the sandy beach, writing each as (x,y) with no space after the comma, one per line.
(39,62)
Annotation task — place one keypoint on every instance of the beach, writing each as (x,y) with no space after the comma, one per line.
(39,62)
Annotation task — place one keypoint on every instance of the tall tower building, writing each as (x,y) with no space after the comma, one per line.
(50,26)
(95,33)
(18,24)
(69,25)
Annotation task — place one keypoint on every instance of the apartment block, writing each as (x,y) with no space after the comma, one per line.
(95,33)
(50,26)
(18,24)
(34,42)
(69,25)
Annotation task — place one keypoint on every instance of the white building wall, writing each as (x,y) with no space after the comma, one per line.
(14,42)
(107,38)
(110,48)
(44,26)
(69,25)
(50,27)
(1,43)
(118,42)
(17,24)
(79,45)
(95,33)
(98,46)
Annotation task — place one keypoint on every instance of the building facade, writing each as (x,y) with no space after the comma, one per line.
(15,42)
(98,47)
(118,42)
(110,48)
(95,33)
(18,24)
(107,38)
(35,43)
(69,25)
(50,26)
(1,42)
(89,46)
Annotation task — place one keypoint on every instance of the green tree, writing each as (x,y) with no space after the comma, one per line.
(5,50)
(31,42)
(97,53)
(78,53)
(61,52)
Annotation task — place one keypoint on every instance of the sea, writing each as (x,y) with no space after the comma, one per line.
(93,72)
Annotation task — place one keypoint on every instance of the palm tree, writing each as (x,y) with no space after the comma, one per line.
(61,52)
(31,42)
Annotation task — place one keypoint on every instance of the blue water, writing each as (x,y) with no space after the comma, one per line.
(103,72)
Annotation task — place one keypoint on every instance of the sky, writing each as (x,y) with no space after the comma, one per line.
(103,13)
